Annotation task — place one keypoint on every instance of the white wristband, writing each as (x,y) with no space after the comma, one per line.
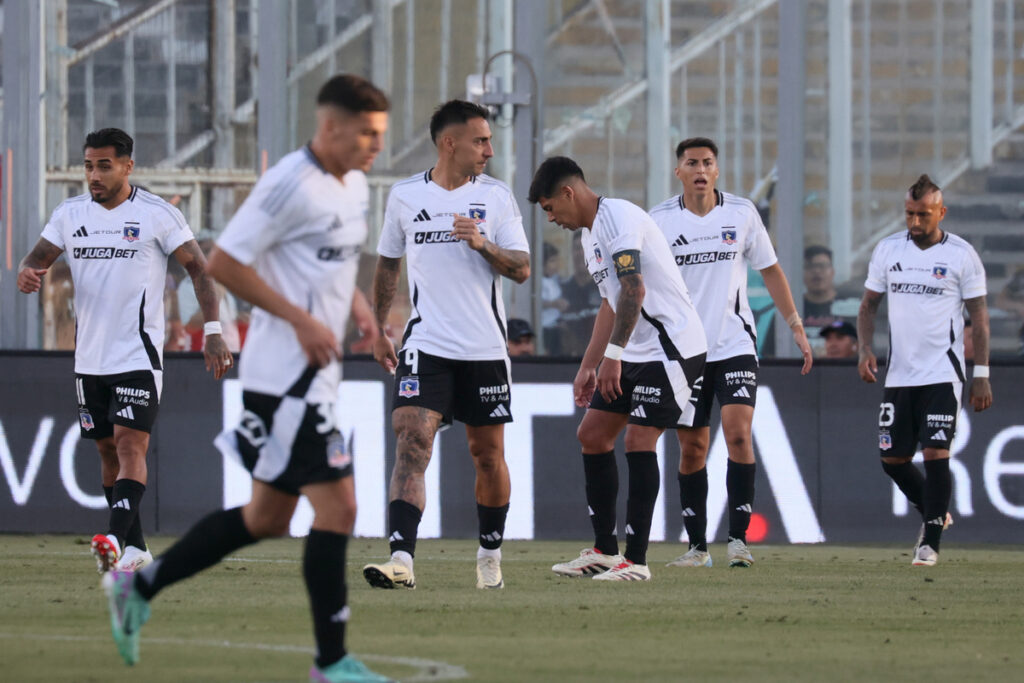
(613,351)
(211,328)
(980,372)
(794,321)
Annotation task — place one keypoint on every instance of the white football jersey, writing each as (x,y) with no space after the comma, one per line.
(713,252)
(669,327)
(118,260)
(302,230)
(926,291)
(457,307)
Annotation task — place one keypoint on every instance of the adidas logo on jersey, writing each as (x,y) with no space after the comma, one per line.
(500,411)
(639,412)
(745,508)
(896,268)
(81,232)
(939,435)
(122,504)
(421,216)
(680,241)
(126,413)
(742,392)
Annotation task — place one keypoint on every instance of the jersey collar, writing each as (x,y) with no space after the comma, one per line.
(312,157)
(719,200)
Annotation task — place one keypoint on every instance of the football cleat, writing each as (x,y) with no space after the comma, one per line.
(134,559)
(106,550)
(924,556)
(348,669)
(920,534)
(128,612)
(692,558)
(739,554)
(591,561)
(390,574)
(625,571)
(488,573)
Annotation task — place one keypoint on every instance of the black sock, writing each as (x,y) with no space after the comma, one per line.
(602,478)
(644,482)
(492,525)
(212,537)
(909,480)
(693,498)
(739,485)
(134,537)
(126,495)
(108,493)
(938,487)
(403,523)
(323,566)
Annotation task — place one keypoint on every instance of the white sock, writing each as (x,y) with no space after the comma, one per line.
(403,557)
(482,552)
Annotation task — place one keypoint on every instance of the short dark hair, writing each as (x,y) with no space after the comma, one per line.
(692,143)
(455,111)
(817,250)
(924,185)
(551,173)
(110,137)
(352,93)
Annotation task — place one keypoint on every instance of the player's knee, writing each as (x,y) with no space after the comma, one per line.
(268,527)
(487,460)
(592,440)
(737,440)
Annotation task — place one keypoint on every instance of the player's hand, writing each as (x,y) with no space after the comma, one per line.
(465,230)
(868,366)
(317,341)
(218,357)
(980,394)
(608,379)
(368,334)
(30,279)
(384,353)
(800,339)
(583,386)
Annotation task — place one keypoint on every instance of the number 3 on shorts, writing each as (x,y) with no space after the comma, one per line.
(886,415)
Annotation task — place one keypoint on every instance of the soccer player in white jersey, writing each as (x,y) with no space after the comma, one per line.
(117,238)
(649,342)
(291,250)
(929,275)
(462,232)
(715,237)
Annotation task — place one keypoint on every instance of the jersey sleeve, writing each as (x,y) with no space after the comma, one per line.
(392,236)
(272,208)
(53,232)
(758,251)
(509,233)
(972,279)
(876,270)
(175,231)
(619,230)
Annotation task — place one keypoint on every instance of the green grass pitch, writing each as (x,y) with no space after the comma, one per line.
(801,613)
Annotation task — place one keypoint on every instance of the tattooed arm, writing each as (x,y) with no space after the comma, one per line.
(867,366)
(385,285)
(215,351)
(35,264)
(514,265)
(627,312)
(980,394)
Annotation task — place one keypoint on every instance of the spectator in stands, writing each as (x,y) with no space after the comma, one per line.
(552,303)
(1011,299)
(583,302)
(840,339)
(819,286)
(520,338)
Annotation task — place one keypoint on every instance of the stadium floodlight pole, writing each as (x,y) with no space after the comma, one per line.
(523,171)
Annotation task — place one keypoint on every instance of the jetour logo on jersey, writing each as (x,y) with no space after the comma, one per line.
(729,235)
